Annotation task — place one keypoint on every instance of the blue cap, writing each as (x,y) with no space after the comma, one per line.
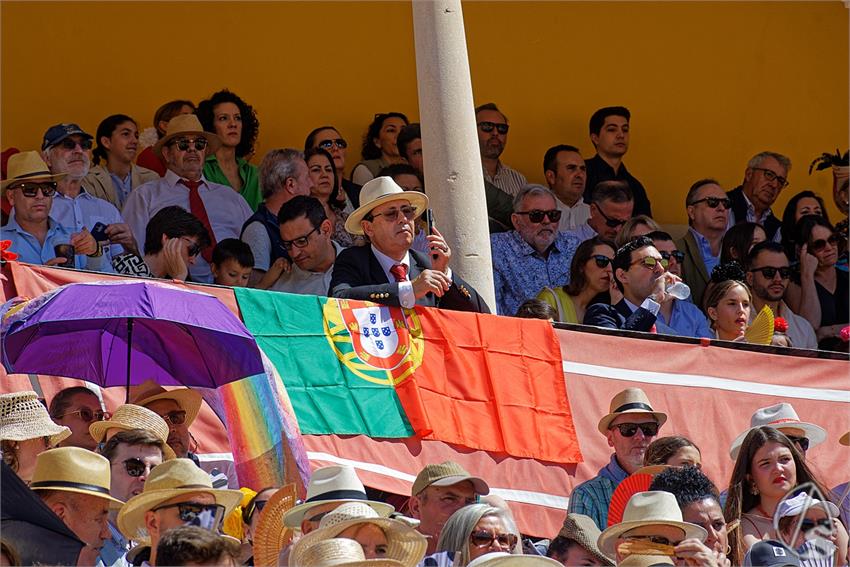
(59,132)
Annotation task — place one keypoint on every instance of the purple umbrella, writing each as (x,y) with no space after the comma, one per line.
(177,336)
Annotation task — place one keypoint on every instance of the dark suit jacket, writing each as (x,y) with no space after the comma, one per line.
(693,267)
(358,275)
(619,316)
(739,212)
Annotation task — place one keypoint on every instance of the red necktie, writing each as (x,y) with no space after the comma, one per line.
(399,272)
(197,208)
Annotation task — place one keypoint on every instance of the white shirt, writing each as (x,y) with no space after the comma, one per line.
(583,232)
(304,282)
(800,331)
(226,209)
(572,217)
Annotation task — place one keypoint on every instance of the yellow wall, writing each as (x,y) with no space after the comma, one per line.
(708,83)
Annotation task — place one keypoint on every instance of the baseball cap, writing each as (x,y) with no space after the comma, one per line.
(447,474)
(770,553)
(59,132)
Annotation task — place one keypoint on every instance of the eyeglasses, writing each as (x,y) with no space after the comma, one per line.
(299,242)
(253,507)
(31,189)
(630,429)
(86,414)
(815,246)
(715,202)
(70,144)
(484,538)
(601,261)
(176,417)
(194,248)
(801,442)
(660,540)
(536,215)
(807,525)
(329,144)
(677,255)
(183,144)
(408,212)
(488,127)
(770,272)
(196,514)
(136,467)
(649,262)
(771,176)
(613,223)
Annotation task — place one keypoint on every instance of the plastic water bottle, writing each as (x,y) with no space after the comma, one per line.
(679,290)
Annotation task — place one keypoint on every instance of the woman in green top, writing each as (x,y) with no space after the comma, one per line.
(235,122)
(590,281)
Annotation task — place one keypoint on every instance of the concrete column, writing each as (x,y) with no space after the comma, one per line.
(453,175)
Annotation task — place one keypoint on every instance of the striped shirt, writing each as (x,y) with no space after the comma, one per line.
(593,496)
(508,180)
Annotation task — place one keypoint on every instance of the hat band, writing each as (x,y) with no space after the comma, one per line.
(785,420)
(69,484)
(34,174)
(634,405)
(338,495)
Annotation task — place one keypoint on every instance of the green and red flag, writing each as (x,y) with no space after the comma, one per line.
(359,368)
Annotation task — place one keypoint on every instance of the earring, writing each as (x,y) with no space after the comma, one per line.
(754,489)
(728,549)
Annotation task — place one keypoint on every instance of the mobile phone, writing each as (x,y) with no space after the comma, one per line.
(99,232)
(429,220)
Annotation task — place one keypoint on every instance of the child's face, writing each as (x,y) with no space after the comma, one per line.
(230,273)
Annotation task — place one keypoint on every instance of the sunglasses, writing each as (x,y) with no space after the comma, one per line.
(807,525)
(484,538)
(677,255)
(408,212)
(714,202)
(183,144)
(771,176)
(612,223)
(70,144)
(650,262)
(329,144)
(87,415)
(488,127)
(176,417)
(300,242)
(136,467)
(660,540)
(252,509)
(31,189)
(205,516)
(801,442)
(630,429)
(601,261)
(536,215)
(770,272)
(815,246)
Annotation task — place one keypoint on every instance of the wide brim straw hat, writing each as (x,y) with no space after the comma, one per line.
(340,552)
(779,416)
(630,400)
(28,166)
(502,559)
(271,535)
(651,508)
(636,560)
(189,400)
(404,544)
(186,124)
(173,478)
(583,530)
(23,417)
(131,416)
(377,192)
(73,469)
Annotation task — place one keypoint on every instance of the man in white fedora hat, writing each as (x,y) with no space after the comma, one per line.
(176,493)
(783,417)
(220,209)
(388,271)
(630,426)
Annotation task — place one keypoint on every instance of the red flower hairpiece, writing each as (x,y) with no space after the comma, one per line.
(845,334)
(780,325)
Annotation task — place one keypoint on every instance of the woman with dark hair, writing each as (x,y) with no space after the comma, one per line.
(728,305)
(236,124)
(379,146)
(117,140)
(802,204)
(149,137)
(738,241)
(329,139)
(590,276)
(674,450)
(320,165)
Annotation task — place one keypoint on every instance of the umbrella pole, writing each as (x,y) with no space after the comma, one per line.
(129,354)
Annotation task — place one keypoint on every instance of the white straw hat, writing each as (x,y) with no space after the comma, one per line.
(502,559)
(23,417)
(779,416)
(340,552)
(377,192)
(130,416)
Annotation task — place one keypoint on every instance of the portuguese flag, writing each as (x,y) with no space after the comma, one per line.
(359,368)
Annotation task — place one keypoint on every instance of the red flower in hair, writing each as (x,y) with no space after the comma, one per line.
(780,325)
(845,334)
(4,251)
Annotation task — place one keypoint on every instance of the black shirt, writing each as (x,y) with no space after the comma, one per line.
(599,170)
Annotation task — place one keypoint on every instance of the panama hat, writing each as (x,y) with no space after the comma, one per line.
(630,400)
(23,417)
(584,531)
(130,416)
(377,192)
(172,478)
(28,166)
(650,508)
(779,416)
(502,559)
(188,400)
(404,544)
(845,439)
(73,469)
(334,484)
(447,474)
(271,535)
(637,560)
(186,124)
(341,552)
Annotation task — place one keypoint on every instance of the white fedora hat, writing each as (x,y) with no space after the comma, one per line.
(379,191)
(502,559)
(779,416)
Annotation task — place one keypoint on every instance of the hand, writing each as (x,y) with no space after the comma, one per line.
(431,281)
(440,251)
(808,263)
(120,233)
(175,266)
(692,552)
(279,267)
(659,293)
(84,242)
(88,555)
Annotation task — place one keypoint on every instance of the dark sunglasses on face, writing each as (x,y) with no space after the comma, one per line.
(31,189)
(613,223)
(601,261)
(196,514)
(70,144)
(488,127)
(408,212)
(630,429)
(300,242)
(176,417)
(536,215)
(484,538)
(820,243)
(328,144)
(801,442)
(650,262)
(808,525)
(193,250)
(660,540)
(183,144)
(714,202)
(677,255)
(770,272)
(87,415)
(136,467)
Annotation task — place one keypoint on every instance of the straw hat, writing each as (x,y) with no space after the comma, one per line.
(172,478)
(186,124)
(340,552)
(447,474)
(72,469)
(651,508)
(334,484)
(779,416)
(502,559)
(23,417)
(188,400)
(270,535)
(636,560)
(28,166)
(630,400)
(130,416)
(404,544)
(583,530)
(377,192)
